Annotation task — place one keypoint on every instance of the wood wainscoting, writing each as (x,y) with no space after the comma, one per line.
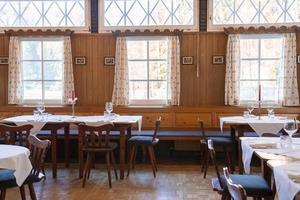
(173,118)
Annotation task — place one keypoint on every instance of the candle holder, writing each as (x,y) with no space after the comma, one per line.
(73,102)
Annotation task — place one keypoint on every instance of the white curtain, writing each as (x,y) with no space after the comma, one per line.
(174,70)
(15,83)
(120,94)
(232,70)
(290,85)
(68,76)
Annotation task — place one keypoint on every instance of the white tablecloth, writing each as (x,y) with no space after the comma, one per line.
(260,126)
(16,158)
(266,145)
(287,180)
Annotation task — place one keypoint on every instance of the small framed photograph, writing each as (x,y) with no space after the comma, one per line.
(187,60)
(298,59)
(3,60)
(80,60)
(218,60)
(109,61)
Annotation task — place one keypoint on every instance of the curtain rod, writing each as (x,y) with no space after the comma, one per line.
(31,32)
(261,29)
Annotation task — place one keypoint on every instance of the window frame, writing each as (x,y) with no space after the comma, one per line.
(259,59)
(188,28)
(79,29)
(148,102)
(219,28)
(35,101)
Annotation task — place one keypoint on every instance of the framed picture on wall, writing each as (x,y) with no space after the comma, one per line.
(80,60)
(109,61)
(298,59)
(187,60)
(218,60)
(3,60)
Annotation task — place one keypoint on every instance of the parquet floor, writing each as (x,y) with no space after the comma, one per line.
(173,182)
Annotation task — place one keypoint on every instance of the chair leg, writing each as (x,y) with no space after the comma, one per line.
(108,168)
(113,161)
(151,159)
(206,164)
(3,194)
(204,153)
(32,192)
(92,164)
(154,157)
(86,169)
(130,158)
(228,159)
(134,156)
(22,192)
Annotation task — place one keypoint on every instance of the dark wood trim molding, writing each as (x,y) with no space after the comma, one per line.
(203,9)
(94,16)
(38,32)
(261,29)
(147,32)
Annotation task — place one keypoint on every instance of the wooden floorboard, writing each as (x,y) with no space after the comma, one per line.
(173,182)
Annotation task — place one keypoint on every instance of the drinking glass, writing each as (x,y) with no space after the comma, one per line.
(250,108)
(290,127)
(270,110)
(35,115)
(40,107)
(109,107)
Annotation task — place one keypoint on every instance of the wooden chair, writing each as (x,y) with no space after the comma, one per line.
(236,191)
(15,135)
(96,142)
(38,150)
(146,142)
(254,185)
(225,142)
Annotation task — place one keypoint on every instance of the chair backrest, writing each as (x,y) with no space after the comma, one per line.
(157,126)
(38,149)
(212,154)
(14,134)
(201,125)
(236,191)
(92,135)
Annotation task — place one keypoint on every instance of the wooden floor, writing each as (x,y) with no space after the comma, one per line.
(173,182)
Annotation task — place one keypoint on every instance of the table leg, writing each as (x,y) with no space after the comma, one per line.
(240,159)
(233,148)
(122,151)
(53,152)
(67,144)
(80,155)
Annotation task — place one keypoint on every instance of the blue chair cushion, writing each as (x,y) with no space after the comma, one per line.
(140,140)
(221,140)
(255,186)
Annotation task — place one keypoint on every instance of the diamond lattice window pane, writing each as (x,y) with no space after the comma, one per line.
(42,13)
(148,12)
(255,11)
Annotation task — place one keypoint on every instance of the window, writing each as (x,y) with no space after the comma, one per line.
(261,63)
(251,12)
(148,70)
(150,14)
(42,65)
(43,13)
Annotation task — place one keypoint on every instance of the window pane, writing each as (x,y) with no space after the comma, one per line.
(249,90)
(31,50)
(32,90)
(158,49)
(53,89)
(42,13)
(249,69)
(53,50)
(32,70)
(158,90)
(138,90)
(268,69)
(137,49)
(249,48)
(269,90)
(137,70)
(271,48)
(158,70)
(53,70)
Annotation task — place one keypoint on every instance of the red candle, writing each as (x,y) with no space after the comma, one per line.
(259,93)
(73,95)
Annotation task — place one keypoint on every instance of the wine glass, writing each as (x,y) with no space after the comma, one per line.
(40,107)
(270,110)
(109,107)
(290,127)
(250,108)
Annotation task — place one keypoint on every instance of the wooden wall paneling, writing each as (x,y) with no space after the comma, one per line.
(203,66)
(190,120)
(4,41)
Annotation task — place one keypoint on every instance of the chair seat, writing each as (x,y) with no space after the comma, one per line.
(111,146)
(255,186)
(8,180)
(140,140)
(221,140)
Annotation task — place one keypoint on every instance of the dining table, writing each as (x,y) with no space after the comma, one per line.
(280,159)
(252,123)
(16,158)
(121,123)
